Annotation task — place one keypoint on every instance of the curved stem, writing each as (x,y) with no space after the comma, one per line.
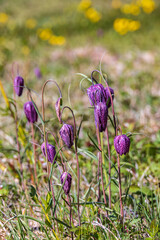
(16,128)
(43,115)
(118,129)
(78,172)
(92,78)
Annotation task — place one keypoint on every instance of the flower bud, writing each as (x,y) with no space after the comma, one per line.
(108,96)
(58,109)
(51,151)
(96,94)
(30,112)
(68,180)
(18,85)
(67,134)
(122,144)
(101,115)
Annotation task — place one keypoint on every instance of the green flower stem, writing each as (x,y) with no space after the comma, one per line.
(109,171)
(103,157)
(101,167)
(35,158)
(120,188)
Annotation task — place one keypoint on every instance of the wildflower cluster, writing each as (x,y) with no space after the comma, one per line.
(46,34)
(90,12)
(109,145)
(101,99)
(31,26)
(134,8)
(124,25)
(49,151)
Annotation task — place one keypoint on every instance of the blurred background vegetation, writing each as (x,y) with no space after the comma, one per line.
(32,29)
(61,38)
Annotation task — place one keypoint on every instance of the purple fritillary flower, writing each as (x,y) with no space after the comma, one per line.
(67,134)
(37,72)
(51,151)
(30,112)
(108,96)
(68,181)
(122,144)
(96,94)
(58,109)
(18,85)
(101,115)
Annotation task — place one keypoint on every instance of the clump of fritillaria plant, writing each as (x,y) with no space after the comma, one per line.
(101,100)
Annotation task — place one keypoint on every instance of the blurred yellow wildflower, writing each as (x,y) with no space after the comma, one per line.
(93,15)
(133,9)
(84,4)
(57,40)
(116,4)
(25,50)
(123,25)
(148,6)
(2,167)
(31,23)
(134,26)
(3,18)
(44,34)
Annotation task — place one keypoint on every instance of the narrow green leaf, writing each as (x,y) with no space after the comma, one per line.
(88,153)
(61,222)
(59,196)
(86,198)
(93,142)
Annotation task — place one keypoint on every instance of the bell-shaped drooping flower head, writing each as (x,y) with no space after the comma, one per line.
(51,151)
(101,115)
(68,180)
(122,144)
(108,96)
(67,134)
(30,112)
(18,85)
(96,94)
